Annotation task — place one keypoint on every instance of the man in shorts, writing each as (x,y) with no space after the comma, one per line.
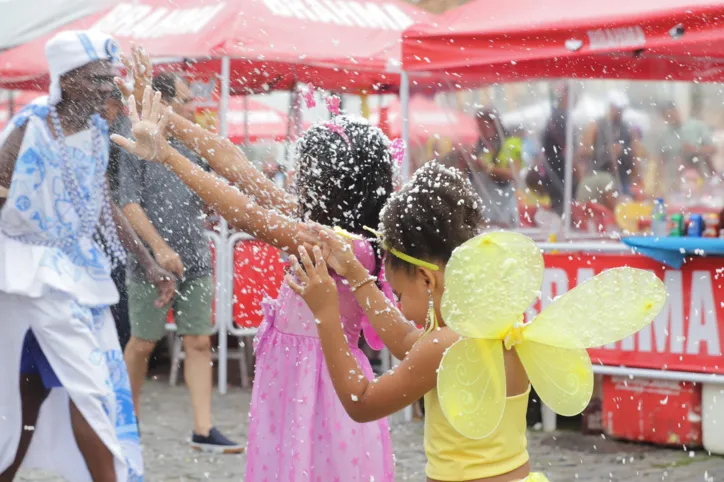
(169,218)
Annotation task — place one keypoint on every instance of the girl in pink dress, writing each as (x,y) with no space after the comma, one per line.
(299,430)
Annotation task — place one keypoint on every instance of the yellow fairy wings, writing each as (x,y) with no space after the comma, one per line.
(489,283)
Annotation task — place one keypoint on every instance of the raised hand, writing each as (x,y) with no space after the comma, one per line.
(314,284)
(148,129)
(140,69)
(337,251)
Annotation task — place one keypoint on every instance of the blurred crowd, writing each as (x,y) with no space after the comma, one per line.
(623,159)
(617,168)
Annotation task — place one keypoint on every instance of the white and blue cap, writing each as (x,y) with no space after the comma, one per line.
(71,49)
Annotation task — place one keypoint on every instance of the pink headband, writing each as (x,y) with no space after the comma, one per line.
(397,147)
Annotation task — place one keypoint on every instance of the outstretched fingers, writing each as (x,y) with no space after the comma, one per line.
(156,108)
(146,105)
(132,110)
(163,122)
(299,272)
(123,87)
(319,263)
(127,144)
(307,262)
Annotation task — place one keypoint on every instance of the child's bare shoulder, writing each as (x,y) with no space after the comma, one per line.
(438,339)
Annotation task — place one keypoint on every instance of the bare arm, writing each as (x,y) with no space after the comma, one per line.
(8,158)
(130,240)
(363,399)
(223,156)
(154,273)
(164,254)
(398,334)
(9,155)
(228,161)
(502,174)
(143,227)
(237,208)
(366,400)
(267,225)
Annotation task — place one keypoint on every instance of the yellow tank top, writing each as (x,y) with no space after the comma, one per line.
(453,457)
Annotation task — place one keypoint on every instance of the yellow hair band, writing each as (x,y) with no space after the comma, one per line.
(401,255)
(396,253)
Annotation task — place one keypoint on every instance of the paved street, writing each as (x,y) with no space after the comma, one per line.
(564,456)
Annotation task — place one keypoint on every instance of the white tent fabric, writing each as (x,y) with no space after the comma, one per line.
(24,20)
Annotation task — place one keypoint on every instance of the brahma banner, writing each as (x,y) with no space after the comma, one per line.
(687,334)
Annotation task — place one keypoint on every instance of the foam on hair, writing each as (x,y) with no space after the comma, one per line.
(344,173)
(437,211)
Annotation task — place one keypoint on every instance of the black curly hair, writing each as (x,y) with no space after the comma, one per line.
(344,174)
(437,211)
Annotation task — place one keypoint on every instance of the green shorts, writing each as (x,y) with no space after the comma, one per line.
(192,309)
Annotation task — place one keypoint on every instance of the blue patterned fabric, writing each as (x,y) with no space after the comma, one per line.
(55,280)
(39,212)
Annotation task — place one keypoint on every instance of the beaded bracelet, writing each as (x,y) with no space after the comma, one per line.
(360,284)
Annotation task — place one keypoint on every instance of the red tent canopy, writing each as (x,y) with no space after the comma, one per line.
(340,44)
(485,41)
(265,123)
(427,119)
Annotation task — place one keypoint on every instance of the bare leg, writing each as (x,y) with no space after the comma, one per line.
(197,374)
(32,395)
(97,456)
(136,355)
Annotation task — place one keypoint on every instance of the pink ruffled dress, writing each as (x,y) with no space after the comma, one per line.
(298,429)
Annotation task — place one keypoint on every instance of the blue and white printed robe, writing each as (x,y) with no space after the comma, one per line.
(63,295)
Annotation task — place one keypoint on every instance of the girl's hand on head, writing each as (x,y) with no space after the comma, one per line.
(314,284)
(149,129)
(337,251)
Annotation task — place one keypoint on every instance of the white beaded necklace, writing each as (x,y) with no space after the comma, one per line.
(84,205)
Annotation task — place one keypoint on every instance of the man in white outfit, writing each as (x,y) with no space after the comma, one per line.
(58,344)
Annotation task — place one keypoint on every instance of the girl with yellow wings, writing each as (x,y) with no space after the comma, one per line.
(475,360)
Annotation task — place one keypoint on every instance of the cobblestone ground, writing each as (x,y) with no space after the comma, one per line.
(563,456)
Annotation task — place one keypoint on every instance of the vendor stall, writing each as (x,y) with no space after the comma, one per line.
(671,373)
(668,40)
